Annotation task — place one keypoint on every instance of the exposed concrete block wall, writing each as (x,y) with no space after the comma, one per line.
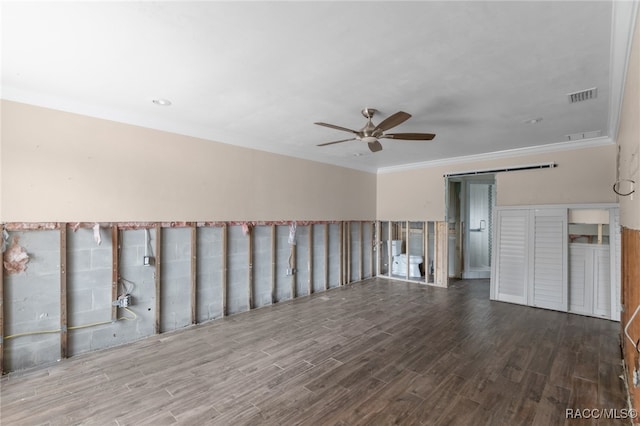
(209,275)
(175,282)
(32,299)
(238,277)
(262,266)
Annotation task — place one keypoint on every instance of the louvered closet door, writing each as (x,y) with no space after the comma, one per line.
(549,281)
(511,260)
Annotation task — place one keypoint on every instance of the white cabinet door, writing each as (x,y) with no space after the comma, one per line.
(601,281)
(580,282)
(512,253)
(549,277)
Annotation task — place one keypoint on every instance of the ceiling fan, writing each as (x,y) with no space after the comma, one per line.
(370,133)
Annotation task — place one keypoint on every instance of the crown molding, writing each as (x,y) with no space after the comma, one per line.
(518,152)
(623,22)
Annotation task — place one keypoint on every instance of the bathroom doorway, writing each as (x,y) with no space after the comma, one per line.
(470,205)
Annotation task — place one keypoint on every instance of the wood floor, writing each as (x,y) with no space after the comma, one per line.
(372,353)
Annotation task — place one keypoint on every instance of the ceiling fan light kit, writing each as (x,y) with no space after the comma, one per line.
(371,133)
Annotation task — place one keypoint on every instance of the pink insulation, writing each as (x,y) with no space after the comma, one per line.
(15,258)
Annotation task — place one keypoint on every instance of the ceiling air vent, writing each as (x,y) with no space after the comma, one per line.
(583,95)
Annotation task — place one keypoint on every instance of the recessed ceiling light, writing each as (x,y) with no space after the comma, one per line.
(162,102)
(533,120)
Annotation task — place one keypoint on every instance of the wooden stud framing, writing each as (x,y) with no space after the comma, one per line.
(224,270)
(310,261)
(326,256)
(273,264)
(293,267)
(361,263)
(115,268)
(389,258)
(377,242)
(425,250)
(341,254)
(407,251)
(158,273)
(348,244)
(250,270)
(194,274)
(441,272)
(63,290)
(1,305)
(372,249)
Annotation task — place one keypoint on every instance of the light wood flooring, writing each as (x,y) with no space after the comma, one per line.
(372,353)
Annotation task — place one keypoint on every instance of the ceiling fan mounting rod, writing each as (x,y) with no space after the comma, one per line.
(369,112)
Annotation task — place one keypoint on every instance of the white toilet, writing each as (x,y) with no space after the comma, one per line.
(399,266)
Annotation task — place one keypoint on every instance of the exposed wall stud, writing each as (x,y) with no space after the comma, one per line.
(158,273)
(224,270)
(273,264)
(294,274)
(425,248)
(326,256)
(194,273)
(341,254)
(372,249)
(406,249)
(63,290)
(310,261)
(250,271)
(115,269)
(361,254)
(348,243)
(377,243)
(1,305)
(389,252)
(441,238)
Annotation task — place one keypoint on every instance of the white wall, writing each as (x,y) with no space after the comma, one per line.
(582,176)
(58,166)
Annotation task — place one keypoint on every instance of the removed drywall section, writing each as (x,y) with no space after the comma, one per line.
(237,266)
(88,290)
(209,289)
(175,279)
(33,304)
(140,280)
(302,260)
(334,255)
(261,266)
(284,253)
(164,290)
(320,259)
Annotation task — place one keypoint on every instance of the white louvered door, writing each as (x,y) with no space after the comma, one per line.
(549,276)
(509,278)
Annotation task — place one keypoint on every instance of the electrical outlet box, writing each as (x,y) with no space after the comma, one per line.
(290,271)
(122,301)
(147,261)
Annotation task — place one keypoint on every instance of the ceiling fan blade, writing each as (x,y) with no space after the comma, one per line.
(331,143)
(333,126)
(410,136)
(375,146)
(393,120)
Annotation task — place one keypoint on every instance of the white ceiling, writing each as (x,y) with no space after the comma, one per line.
(259,74)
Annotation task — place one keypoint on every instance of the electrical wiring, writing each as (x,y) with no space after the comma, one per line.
(133,317)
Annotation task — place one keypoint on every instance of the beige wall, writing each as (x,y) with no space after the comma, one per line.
(57,166)
(629,137)
(582,176)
